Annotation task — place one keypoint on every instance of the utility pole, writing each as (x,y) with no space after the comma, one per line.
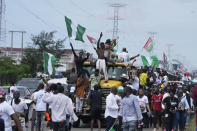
(12,40)
(116,5)
(2,21)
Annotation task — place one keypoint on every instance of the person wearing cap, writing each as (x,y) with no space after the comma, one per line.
(79,60)
(95,100)
(101,63)
(130,110)
(61,106)
(7,113)
(20,107)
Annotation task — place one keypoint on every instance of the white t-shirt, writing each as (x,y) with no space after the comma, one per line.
(21,107)
(124,56)
(5,112)
(165,81)
(142,102)
(136,83)
(12,88)
(38,97)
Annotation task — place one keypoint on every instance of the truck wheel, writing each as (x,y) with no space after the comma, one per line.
(76,124)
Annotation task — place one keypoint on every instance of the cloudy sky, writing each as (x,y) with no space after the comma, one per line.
(174,21)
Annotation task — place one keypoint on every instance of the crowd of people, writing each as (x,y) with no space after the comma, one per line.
(146,98)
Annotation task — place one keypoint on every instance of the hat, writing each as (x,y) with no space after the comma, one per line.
(2,93)
(120,89)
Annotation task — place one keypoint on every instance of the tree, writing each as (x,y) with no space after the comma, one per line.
(9,72)
(42,42)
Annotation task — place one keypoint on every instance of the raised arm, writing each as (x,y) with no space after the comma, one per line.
(98,42)
(73,50)
(134,57)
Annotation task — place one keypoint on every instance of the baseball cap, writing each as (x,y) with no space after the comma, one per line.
(120,89)
(2,93)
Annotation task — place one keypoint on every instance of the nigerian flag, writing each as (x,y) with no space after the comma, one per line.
(74,32)
(49,63)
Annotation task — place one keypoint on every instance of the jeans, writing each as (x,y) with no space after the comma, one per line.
(180,120)
(59,126)
(79,104)
(2,125)
(67,128)
(40,120)
(110,122)
(129,126)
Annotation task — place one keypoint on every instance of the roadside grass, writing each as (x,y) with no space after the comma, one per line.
(192,124)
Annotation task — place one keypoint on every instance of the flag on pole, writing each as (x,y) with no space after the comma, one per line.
(49,63)
(91,39)
(149,45)
(164,58)
(144,61)
(155,61)
(75,32)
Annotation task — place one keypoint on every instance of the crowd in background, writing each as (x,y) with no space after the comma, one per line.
(146,98)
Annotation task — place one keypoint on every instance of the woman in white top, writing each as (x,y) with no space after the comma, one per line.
(20,107)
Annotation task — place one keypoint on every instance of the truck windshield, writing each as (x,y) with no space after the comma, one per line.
(114,72)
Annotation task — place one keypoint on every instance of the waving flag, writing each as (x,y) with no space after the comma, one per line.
(149,45)
(75,32)
(91,39)
(49,63)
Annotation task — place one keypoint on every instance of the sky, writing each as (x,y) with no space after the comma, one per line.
(174,22)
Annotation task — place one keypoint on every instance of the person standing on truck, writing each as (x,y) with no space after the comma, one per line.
(95,100)
(101,63)
(111,111)
(79,60)
(82,85)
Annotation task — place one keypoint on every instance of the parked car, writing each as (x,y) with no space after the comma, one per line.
(30,83)
(24,93)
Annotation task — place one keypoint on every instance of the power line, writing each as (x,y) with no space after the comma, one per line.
(83,10)
(38,17)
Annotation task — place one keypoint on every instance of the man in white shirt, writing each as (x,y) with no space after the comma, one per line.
(61,106)
(136,83)
(143,102)
(111,111)
(20,107)
(124,56)
(7,114)
(40,108)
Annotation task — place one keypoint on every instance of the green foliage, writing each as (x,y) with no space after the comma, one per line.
(42,42)
(9,72)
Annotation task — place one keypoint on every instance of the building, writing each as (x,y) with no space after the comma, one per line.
(14,53)
(65,62)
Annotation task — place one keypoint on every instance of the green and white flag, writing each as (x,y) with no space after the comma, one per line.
(74,32)
(49,63)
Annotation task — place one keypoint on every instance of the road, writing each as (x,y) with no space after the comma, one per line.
(88,129)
